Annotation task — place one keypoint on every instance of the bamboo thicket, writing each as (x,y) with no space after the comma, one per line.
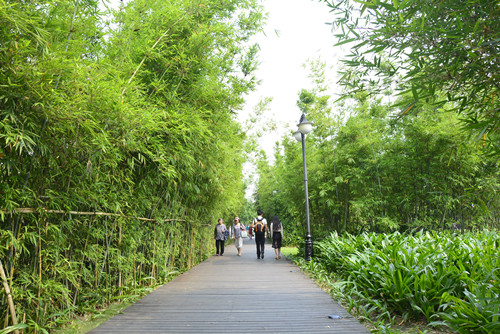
(118,146)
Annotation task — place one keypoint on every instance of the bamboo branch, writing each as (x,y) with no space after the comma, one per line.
(9,297)
(146,55)
(69,38)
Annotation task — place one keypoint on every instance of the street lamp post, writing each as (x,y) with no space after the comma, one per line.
(304,128)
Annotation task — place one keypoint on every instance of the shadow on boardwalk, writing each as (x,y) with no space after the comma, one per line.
(232,294)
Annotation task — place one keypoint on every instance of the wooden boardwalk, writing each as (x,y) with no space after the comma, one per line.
(232,294)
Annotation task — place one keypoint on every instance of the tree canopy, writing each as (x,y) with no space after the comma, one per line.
(441,52)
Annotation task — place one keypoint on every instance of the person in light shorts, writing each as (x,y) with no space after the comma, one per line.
(236,231)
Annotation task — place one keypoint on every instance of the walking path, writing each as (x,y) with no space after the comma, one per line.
(233,294)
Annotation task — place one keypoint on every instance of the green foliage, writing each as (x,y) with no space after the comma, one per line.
(450,279)
(248,213)
(370,171)
(444,52)
(106,117)
(477,312)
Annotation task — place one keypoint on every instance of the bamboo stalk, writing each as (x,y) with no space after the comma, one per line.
(39,265)
(379,184)
(171,250)
(153,261)
(106,252)
(120,290)
(12,307)
(135,275)
(17,227)
(190,258)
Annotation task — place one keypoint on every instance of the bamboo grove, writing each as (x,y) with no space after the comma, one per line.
(118,145)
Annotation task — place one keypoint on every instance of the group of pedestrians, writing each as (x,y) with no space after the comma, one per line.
(258,229)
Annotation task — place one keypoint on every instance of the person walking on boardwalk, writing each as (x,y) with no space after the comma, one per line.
(238,238)
(277,236)
(220,237)
(259,226)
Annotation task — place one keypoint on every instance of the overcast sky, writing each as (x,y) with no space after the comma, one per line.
(303,34)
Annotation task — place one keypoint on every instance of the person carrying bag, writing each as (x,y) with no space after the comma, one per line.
(238,230)
(260,229)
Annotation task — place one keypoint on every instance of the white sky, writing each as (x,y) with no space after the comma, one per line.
(303,35)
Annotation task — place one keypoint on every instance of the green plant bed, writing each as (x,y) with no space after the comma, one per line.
(438,280)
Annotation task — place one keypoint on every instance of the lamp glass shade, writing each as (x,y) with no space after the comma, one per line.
(297,135)
(305,127)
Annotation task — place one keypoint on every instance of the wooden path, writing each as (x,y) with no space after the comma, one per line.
(232,294)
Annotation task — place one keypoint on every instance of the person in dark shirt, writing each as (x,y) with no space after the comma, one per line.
(220,237)
(259,226)
(277,236)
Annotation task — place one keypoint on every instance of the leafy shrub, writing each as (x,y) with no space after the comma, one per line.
(450,279)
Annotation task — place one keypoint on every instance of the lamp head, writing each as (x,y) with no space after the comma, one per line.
(304,126)
(297,135)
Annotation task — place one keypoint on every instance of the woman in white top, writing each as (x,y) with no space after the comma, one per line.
(238,239)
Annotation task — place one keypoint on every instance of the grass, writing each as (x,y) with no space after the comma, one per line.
(87,323)
(289,251)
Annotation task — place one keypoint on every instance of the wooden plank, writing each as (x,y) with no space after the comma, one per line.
(233,294)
